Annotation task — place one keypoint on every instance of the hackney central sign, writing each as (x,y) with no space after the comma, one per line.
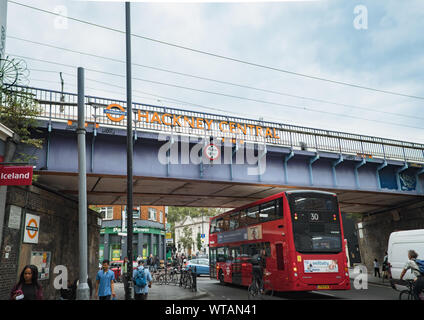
(117,113)
(15,176)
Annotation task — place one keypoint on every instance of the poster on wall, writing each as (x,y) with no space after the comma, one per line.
(41,259)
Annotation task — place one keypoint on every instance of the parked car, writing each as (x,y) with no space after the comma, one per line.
(399,244)
(202,266)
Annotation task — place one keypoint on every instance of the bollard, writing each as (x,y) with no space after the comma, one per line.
(194,274)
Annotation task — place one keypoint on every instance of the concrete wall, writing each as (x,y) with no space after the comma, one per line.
(58,234)
(376,230)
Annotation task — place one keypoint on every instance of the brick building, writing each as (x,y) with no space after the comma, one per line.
(57,238)
(149,232)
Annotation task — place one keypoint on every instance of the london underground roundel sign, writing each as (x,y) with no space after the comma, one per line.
(212,152)
(115,112)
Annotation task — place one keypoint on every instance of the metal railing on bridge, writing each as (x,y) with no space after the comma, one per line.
(59,106)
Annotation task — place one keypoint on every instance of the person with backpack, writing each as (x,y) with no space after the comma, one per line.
(142,279)
(417,269)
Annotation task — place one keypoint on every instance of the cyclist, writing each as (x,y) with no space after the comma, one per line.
(258,267)
(418,277)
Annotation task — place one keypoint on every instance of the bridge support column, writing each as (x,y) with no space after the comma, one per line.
(398,171)
(333,167)
(379,168)
(286,159)
(311,161)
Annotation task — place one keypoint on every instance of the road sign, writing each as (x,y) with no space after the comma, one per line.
(212,152)
(15,176)
(32,228)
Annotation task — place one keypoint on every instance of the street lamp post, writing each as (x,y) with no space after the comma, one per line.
(129,149)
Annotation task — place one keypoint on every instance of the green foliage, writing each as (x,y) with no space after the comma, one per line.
(18,110)
(187,239)
(199,242)
(177,214)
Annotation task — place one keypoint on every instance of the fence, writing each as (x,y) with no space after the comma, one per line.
(58,106)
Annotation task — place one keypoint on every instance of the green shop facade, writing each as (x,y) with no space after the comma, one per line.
(148,238)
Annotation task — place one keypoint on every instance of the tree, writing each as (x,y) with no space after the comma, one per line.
(199,242)
(187,239)
(18,112)
(177,214)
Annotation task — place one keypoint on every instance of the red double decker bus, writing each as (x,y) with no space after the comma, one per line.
(301,233)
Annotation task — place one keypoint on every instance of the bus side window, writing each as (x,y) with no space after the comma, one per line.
(279,209)
(226,224)
(221,254)
(243,219)
(213,226)
(267,211)
(253,215)
(234,221)
(219,223)
(280,256)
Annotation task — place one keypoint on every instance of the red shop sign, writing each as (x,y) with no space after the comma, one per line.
(15,176)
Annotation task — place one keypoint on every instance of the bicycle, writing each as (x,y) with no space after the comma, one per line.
(254,292)
(405,294)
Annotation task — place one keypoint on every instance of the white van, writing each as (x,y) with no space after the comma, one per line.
(400,243)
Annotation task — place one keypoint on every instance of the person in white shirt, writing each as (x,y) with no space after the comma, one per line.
(417,276)
(376,268)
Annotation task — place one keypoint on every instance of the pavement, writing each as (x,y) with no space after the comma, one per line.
(164,292)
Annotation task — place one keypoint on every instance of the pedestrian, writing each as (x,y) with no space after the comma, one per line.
(150,262)
(376,268)
(28,287)
(157,263)
(138,258)
(418,277)
(141,291)
(105,282)
(385,266)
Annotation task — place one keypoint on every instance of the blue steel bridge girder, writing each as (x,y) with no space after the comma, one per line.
(379,168)
(286,159)
(360,164)
(333,167)
(109,155)
(311,161)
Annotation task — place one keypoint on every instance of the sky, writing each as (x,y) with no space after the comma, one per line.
(321,39)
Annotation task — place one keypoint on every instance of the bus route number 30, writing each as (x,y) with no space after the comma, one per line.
(314,216)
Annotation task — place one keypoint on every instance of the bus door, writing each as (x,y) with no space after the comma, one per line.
(212,263)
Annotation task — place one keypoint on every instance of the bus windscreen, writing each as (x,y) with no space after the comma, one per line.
(316,225)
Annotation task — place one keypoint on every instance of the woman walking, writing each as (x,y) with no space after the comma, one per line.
(28,287)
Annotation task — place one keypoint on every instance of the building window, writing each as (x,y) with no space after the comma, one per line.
(161,216)
(107,213)
(152,214)
(136,212)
